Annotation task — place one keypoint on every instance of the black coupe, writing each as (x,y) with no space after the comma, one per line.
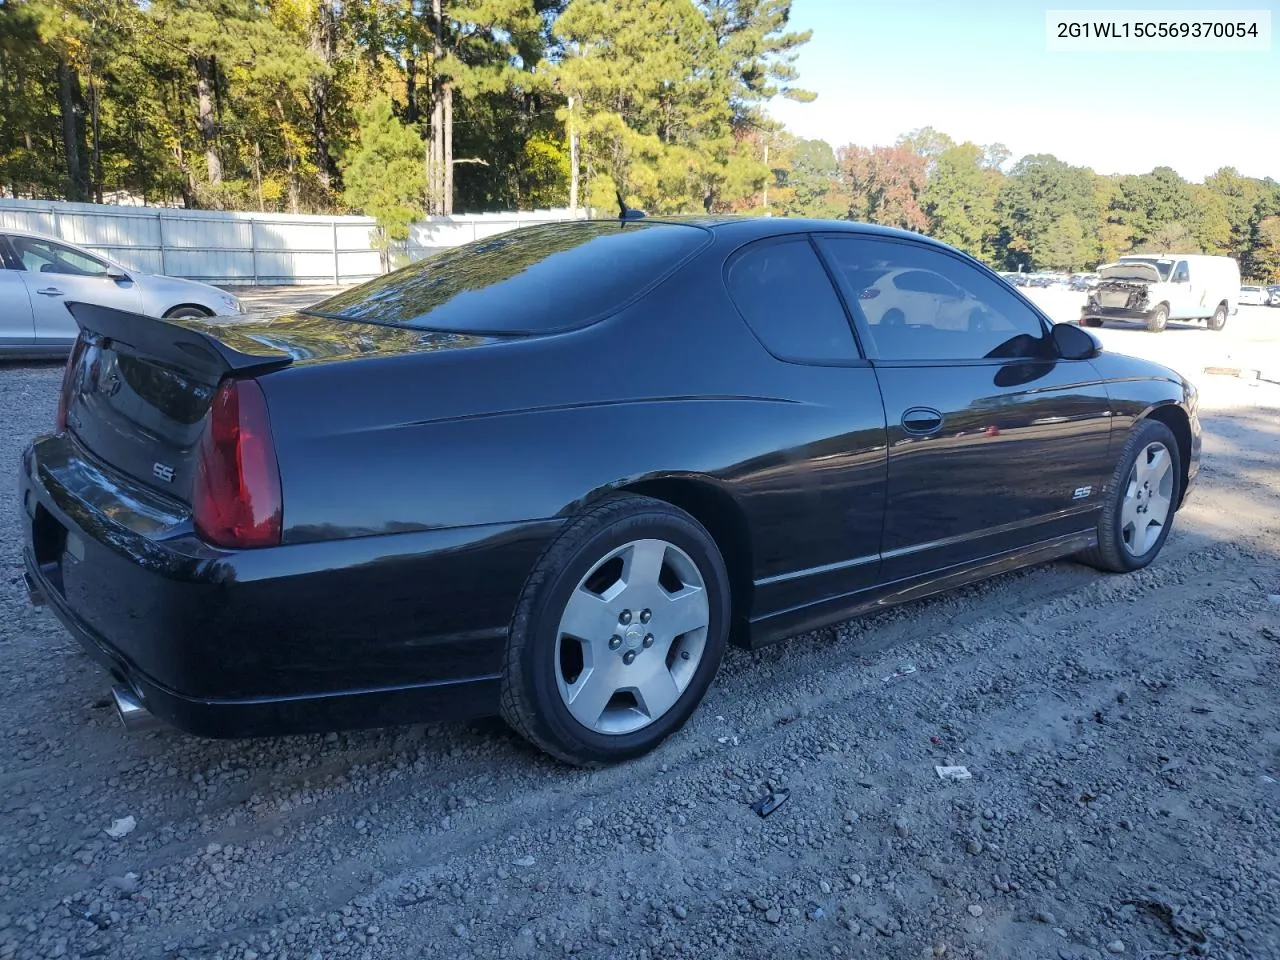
(551,474)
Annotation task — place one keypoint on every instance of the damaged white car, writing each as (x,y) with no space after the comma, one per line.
(1153,289)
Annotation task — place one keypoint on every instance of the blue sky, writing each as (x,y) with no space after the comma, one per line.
(980,71)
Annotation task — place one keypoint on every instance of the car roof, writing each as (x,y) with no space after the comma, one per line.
(35,236)
(749,227)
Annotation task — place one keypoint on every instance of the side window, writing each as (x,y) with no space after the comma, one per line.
(7,260)
(917,303)
(41,256)
(1180,273)
(786,297)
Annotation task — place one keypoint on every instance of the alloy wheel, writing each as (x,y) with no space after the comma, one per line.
(1148,499)
(631,637)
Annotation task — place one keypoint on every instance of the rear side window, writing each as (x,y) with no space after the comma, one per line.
(784,294)
(533,280)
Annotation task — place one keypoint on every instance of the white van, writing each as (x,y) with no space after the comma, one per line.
(1158,287)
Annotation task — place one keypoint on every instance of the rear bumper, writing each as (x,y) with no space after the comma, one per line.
(370,631)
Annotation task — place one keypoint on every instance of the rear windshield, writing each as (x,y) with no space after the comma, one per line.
(532,280)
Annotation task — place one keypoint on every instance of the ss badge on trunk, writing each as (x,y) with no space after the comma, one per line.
(162,471)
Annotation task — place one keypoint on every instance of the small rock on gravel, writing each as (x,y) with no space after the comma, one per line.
(1116,946)
(975,911)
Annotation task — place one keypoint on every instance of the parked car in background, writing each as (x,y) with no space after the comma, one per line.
(1153,289)
(41,275)
(1273,295)
(1254,296)
(574,551)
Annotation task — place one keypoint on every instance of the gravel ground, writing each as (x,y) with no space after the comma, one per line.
(1122,732)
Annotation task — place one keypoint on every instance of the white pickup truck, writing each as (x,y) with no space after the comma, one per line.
(1153,289)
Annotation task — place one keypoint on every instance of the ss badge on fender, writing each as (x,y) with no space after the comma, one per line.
(1081,493)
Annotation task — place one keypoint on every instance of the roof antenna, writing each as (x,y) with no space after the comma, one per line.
(625,212)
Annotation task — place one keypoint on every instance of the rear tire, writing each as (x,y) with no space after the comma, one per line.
(1142,498)
(1159,318)
(1219,318)
(598,668)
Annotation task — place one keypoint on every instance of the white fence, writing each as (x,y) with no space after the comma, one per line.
(248,248)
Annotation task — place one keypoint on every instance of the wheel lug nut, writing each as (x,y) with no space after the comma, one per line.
(648,640)
(625,618)
(646,616)
(629,657)
(615,642)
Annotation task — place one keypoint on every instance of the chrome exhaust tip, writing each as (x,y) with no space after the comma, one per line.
(132,713)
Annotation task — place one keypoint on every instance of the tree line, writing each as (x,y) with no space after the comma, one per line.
(397,108)
(312,105)
(1034,214)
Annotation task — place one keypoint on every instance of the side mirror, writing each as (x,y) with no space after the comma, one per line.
(1075,343)
(116,274)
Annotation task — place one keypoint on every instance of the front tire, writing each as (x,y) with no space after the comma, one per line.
(1142,497)
(1219,318)
(1091,322)
(618,633)
(180,313)
(1159,318)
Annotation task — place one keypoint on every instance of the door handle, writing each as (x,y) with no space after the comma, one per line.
(50,292)
(922,421)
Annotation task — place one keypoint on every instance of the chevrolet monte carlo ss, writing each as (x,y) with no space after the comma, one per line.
(552,474)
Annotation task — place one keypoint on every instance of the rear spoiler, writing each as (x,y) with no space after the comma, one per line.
(198,346)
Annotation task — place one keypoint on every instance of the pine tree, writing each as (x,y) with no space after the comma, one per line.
(384,176)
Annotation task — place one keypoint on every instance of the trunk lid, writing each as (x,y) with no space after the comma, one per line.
(139,389)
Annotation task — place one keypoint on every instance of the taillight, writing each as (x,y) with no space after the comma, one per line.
(68,385)
(236,500)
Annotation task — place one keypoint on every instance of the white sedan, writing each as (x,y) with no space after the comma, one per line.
(40,275)
(1254,296)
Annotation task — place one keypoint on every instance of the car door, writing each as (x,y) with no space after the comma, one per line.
(817,506)
(55,274)
(995,442)
(17,323)
(1184,298)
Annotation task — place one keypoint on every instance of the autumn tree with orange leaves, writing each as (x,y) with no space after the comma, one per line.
(882,185)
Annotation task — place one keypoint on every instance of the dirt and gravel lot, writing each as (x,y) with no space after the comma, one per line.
(1123,735)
